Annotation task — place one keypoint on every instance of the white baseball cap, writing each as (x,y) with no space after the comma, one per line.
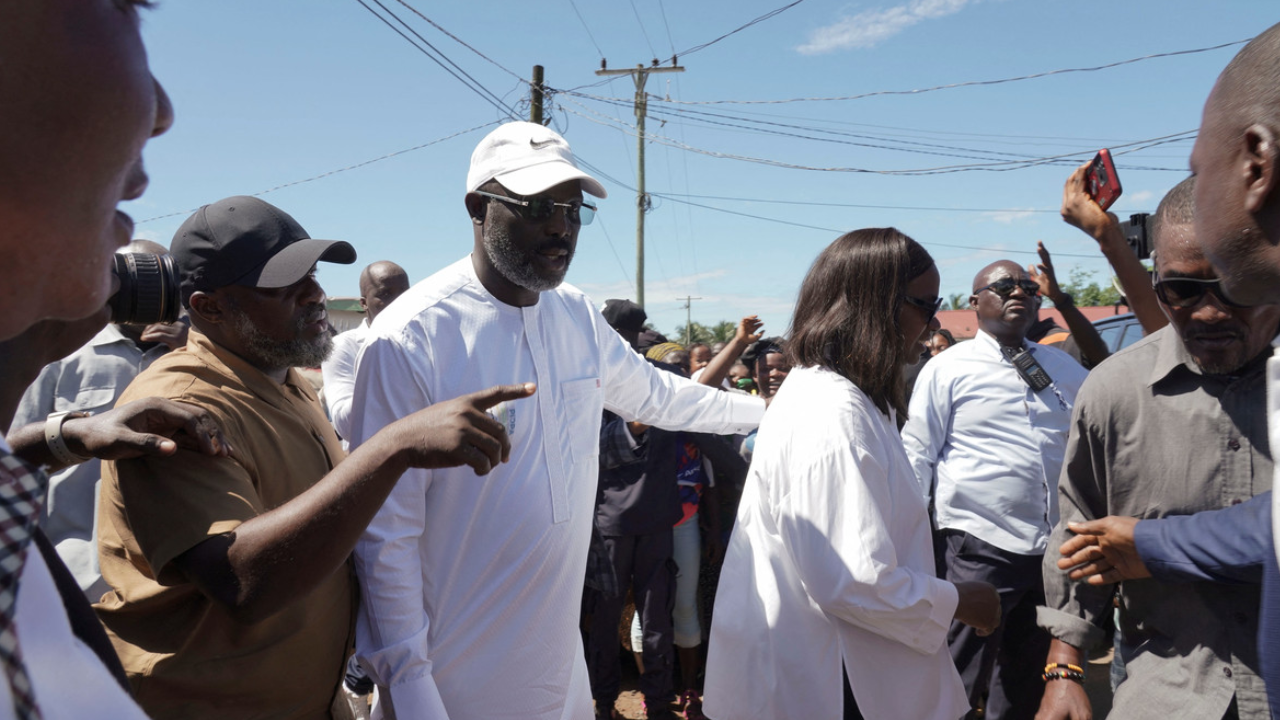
(527,158)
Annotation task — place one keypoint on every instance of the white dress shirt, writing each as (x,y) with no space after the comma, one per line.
(339,373)
(987,447)
(89,380)
(69,681)
(831,560)
(472,585)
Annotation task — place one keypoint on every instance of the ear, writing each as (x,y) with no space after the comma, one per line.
(973,302)
(364,305)
(1261,157)
(476,205)
(207,308)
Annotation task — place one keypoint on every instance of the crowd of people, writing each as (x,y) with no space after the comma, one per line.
(861,517)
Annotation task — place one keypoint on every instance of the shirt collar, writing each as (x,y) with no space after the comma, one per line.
(254,379)
(109,335)
(989,341)
(1173,354)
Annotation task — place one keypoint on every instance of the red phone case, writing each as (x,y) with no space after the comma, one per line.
(1101,181)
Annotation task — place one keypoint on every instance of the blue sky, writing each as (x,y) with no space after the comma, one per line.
(272,93)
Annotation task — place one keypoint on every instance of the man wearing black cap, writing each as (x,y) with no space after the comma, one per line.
(232,596)
(627,318)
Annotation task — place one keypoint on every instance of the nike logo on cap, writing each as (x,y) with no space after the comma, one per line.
(539,145)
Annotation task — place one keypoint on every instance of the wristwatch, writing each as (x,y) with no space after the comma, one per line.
(57,444)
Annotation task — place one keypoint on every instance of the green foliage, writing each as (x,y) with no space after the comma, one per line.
(958,301)
(1087,292)
(698,333)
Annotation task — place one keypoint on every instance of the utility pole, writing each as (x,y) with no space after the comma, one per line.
(688,318)
(535,96)
(640,74)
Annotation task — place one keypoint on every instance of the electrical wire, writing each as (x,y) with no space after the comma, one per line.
(735,31)
(473,85)
(972,83)
(642,30)
(813,203)
(458,40)
(583,20)
(380,158)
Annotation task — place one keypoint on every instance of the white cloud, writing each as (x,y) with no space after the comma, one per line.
(151,235)
(870,27)
(1141,196)
(1008,217)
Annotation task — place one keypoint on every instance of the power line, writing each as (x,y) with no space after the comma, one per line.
(735,31)
(972,83)
(642,30)
(999,166)
(834,230)
(583,20)
(339,170)
(458,40)
(473,85)
(812,203)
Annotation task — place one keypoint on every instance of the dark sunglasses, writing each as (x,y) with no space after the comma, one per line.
(539,209)
(1004,287)
(930,308)
(1188,292)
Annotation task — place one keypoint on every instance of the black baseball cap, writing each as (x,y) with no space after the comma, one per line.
(624,315)
(242,240)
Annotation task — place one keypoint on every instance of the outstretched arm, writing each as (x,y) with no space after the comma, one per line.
(750,329)
(1080,210)
(1086,335)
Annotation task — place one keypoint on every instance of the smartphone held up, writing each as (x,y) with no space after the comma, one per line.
(1101,181)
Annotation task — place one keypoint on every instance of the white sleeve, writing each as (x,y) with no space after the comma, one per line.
(38,400)
(391,632)
(925,432)
(637,390)
(833,522)
(339,373)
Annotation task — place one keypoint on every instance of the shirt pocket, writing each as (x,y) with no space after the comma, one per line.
(93,400)
(583,405)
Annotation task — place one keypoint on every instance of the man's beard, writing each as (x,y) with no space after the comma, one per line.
(517,269)
(281,354)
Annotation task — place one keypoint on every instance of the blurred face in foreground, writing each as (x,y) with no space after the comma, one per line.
(79,105)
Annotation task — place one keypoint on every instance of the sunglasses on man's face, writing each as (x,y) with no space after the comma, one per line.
(1189,292)
(539,209)
(930,307)
(1004,287)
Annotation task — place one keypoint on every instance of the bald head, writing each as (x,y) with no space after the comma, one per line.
(380,283)
(995,271)
(1237,163)
(1008,314)
(1247,89)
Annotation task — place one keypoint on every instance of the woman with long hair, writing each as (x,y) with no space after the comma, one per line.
(828,605)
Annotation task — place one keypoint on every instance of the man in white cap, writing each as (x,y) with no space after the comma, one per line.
(472,586)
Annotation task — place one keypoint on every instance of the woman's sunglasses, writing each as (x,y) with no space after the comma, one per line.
(930,308)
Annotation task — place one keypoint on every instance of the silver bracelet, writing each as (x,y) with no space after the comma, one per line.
(57,444)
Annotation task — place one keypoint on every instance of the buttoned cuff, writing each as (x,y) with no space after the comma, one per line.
(933,635)
(416,699)
(747,412)
(1070,629)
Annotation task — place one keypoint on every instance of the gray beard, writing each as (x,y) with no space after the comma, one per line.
(507,261)
(277,354)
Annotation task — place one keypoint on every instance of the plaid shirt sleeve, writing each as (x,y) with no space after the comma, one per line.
(618,446)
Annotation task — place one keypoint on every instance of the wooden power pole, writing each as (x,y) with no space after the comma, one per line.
(688,319)
(535,96)
(640,74)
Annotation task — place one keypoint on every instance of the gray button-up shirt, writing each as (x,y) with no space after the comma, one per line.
(89,380)
(1151,437)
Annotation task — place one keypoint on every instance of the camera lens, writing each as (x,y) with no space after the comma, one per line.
(148,289)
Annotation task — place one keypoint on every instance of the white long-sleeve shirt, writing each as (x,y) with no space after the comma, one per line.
(471,585)
(339,373)
(988,447)
(831,560)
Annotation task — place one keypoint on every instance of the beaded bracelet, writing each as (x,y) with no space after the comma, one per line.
(1065,666)
(1061,674)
